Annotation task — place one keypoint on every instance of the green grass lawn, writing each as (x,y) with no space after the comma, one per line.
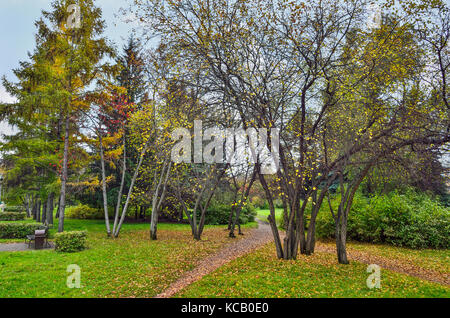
(261,274)
(131,266)
(264,213)
(429,259)
(134,266)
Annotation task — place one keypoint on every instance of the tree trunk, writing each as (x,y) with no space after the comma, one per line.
(130,191)
(230,219)
(271,218)
(206,206)
(122,184)
(44,211)
(34,208)
(276,235)
(38,210)
(64,177)
(57,207)
(244,199)
(311,235)
(301,234)
(181,215)
(28,205)
(233,208)
(105,195)
(341,239)
(285,214)
(158,199)
(344,210)
(50,208)
(197,230)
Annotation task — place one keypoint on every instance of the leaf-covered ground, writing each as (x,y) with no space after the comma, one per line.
(252,241)
(261,274)
(428,264)
(134,266)
(131,266)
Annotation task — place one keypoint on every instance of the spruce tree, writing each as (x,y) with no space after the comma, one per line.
(56,85)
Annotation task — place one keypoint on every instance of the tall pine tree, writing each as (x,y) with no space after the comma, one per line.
(68,58)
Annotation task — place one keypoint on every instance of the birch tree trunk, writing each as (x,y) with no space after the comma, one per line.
(130,191)
(28,202)
(105,195)
(122,184)
(64,175)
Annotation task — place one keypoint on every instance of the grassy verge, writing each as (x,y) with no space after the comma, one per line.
(264,213)
(131,266)
(261,274)
(430,259)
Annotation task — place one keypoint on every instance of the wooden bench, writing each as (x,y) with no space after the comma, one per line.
(40,239)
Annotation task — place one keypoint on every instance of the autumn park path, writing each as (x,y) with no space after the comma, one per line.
(263,235)
(254,239)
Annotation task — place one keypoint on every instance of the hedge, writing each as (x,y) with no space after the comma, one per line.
(84,212)
(12,216)
(14,209)
(69,242)
(220,214)
(409,219)
(17,230)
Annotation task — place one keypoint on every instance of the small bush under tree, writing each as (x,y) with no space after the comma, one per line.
(70,242)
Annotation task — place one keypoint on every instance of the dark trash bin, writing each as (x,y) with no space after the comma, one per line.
(39,239)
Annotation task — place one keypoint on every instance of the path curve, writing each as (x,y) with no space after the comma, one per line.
(254,239)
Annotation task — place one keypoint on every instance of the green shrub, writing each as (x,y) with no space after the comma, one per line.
(18,230)
(248,214)
(445,200)
(410,219)
(259,202)
(12,216)
(69,242)
(219,214)
(14,209)
(265,205)
(278,203)
(84,212)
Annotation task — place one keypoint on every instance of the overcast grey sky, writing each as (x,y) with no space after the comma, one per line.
(17,19)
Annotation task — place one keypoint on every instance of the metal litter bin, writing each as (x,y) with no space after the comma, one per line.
(39,239)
